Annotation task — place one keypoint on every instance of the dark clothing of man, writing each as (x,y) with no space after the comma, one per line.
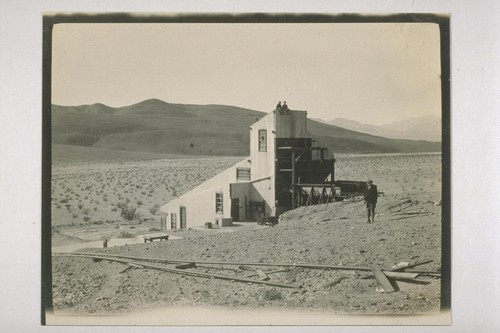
(285,108)
(371,196)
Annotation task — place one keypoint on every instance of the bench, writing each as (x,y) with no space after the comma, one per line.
(153,237)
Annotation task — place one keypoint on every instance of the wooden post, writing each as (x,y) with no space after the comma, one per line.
(382,279)
(246,209)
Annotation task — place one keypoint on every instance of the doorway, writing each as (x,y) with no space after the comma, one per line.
(183,217)
(235,209)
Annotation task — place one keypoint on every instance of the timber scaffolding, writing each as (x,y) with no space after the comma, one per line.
(307,181)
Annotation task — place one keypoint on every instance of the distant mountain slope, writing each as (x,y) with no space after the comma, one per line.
(418,128)
(155,126)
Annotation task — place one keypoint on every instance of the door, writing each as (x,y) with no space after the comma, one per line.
(183,217)
(163,223)
(235,209)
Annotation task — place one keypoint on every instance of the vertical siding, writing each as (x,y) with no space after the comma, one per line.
(292,125)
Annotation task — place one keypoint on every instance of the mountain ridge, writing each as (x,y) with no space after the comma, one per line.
(156,126)
(416,128)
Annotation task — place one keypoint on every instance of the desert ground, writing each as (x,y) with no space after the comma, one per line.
(87,200)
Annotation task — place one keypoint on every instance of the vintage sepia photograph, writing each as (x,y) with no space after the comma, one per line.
(246,169)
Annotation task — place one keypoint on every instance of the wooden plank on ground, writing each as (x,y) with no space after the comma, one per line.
(382,279)
(395,275)
(263,276)
(185,265)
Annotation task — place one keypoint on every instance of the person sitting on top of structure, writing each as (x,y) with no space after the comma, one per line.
(278,107)
(285,108)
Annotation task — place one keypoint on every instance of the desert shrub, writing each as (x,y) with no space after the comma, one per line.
(74,216)
(86,211)
(86,218)
(154,229)
(153,210)
(130,213)
(140,202)
(80,206)
(125,234)
(63,201)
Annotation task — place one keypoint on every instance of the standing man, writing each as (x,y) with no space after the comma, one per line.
(371,196)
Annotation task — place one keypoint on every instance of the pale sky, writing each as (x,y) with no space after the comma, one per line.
(373,72)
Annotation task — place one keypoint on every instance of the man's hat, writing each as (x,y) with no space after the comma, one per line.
(369,181)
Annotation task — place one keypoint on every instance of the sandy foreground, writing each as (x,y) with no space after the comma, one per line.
(407,231)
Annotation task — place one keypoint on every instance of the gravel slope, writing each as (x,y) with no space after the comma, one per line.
(330,234)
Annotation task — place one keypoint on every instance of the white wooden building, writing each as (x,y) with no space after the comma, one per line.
(259,185)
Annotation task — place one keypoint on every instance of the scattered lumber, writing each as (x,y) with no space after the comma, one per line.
(412,213)
(185,265)
(394,275)
(270,272)
(242,264)
(129,266)
(408,217)
(185,272)
(382,279)
(263,276)
(402,268)
(399,204)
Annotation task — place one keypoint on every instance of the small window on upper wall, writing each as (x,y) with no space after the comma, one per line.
(243,173)
(263,140)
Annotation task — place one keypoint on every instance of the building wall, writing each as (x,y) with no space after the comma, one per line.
(262,161)
(241,191)
(293,125)
(263,190)
(200,202)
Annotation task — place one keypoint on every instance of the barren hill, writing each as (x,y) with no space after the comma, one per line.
(156,126)
(417,128)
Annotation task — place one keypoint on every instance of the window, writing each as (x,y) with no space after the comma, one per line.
(243,173)
(263,140)
(218,203)
(173,221)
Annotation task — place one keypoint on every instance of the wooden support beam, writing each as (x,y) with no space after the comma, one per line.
(382,279)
